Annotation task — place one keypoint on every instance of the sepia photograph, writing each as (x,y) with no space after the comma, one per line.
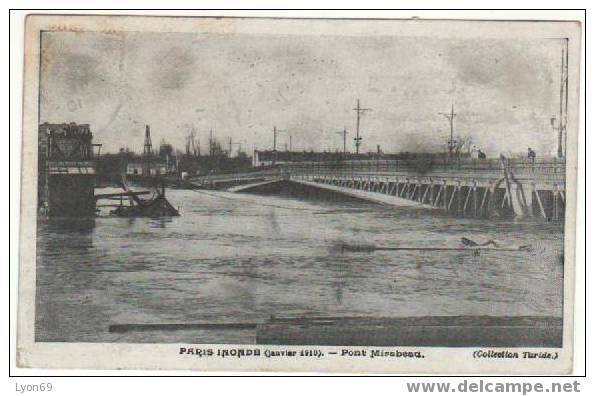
(326,188)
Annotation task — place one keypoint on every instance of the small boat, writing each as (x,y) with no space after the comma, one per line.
(156,206)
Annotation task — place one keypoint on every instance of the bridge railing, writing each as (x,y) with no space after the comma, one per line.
(233,176)
(546,167)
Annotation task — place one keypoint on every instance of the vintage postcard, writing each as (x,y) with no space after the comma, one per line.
(314,195)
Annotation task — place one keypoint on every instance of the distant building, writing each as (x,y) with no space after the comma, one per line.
(155,168)
(269,157)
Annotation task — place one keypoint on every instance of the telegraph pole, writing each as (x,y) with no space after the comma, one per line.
(230,144)
(211,143)
(344,133)
(451,117)
(275,132)
(358,139)
(563,101)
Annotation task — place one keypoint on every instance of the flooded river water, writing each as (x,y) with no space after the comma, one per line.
(245,257)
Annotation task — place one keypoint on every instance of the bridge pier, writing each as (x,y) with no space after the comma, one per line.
(475,199)
(519,202)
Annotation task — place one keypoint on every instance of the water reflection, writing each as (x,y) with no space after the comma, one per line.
(66,234)
(160,222)
(68,225)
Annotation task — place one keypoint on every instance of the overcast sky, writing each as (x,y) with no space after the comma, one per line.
(504,92)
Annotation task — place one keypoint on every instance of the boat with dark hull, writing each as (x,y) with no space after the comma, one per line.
(155,206)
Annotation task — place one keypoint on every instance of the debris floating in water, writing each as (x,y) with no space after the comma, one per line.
(468,245)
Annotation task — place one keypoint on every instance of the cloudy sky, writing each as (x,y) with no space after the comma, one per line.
(504,92)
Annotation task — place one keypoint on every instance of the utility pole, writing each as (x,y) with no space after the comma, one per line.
(344,133)
(275,132)
(290,142)
(192,146)
(358,138)
(563,102)
(451,118)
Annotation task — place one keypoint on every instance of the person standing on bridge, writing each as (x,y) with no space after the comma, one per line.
(531,157)
(475,152)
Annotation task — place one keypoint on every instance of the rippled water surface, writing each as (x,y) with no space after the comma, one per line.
(242,257)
